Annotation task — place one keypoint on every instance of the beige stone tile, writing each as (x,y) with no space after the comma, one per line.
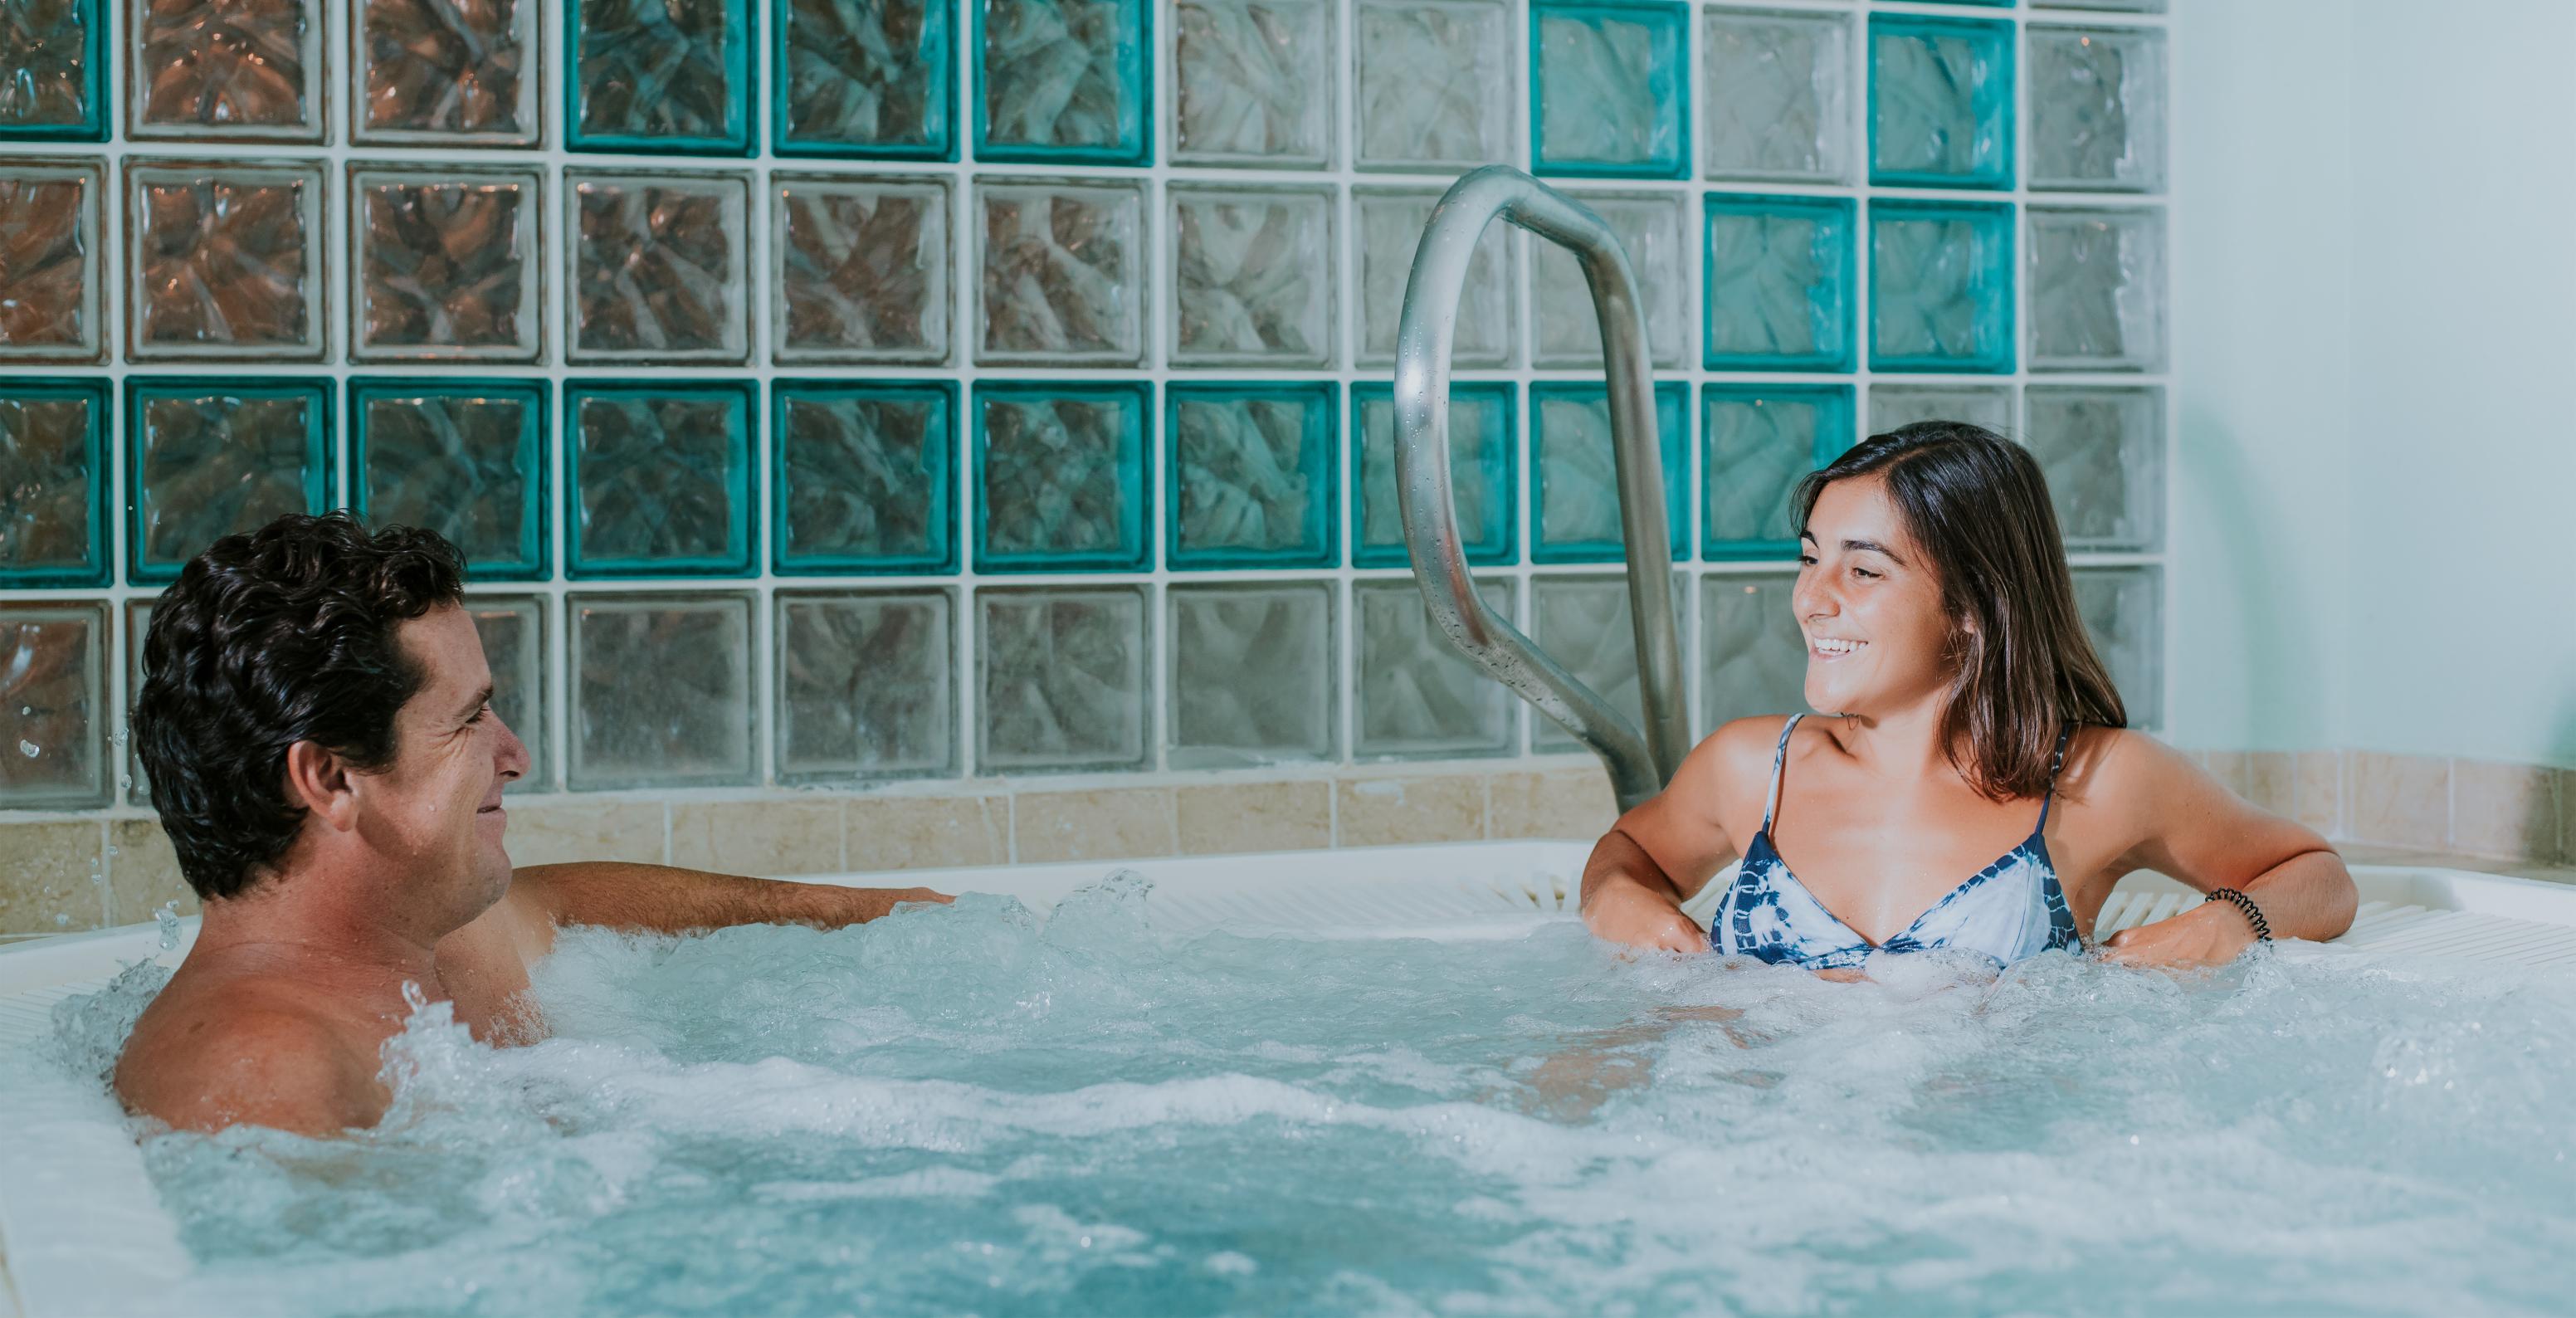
(49,877)
(925,832)
(2271,781)
(757,837)
(1558,803)
(556,831)
(2228,767)
(2504,809)
(1376,812)
(2316,791)
(1234,817)
(1096,825)
(2400,800)
(143,872)
(2567,817)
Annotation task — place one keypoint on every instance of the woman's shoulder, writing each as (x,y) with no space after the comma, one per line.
(2118,763)
(1733,759)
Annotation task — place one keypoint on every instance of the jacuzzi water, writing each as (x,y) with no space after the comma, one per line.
(965,1109)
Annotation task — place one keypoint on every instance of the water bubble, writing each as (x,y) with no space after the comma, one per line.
(29,749)
(62,922)
(168,918)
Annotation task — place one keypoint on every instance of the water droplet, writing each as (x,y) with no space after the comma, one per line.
(29,749)
(168,918)
(62,922)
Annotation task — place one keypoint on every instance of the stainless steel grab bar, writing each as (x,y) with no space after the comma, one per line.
(1639,764)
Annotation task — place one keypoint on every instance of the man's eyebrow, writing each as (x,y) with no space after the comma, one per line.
(481,698)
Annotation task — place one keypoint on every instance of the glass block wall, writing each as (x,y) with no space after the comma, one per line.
(837,391)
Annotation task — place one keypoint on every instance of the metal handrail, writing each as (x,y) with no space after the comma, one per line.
(1639,764)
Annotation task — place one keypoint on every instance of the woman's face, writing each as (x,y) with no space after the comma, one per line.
(1869,604)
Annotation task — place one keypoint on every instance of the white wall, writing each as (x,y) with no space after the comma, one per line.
(2376,314)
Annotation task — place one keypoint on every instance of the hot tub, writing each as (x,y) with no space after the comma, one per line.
(1452,1168)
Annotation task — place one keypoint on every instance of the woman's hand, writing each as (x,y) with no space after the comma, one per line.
(1625,911)
(2211,934)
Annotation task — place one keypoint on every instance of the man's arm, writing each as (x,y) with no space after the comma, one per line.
(663,899)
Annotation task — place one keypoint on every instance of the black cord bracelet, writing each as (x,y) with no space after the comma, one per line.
(2253,913)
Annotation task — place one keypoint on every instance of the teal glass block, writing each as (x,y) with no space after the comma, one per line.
(1062,473)
(1757,441)
(1574,509)
(53,682)
(464,458)
(1253,475)
(205,458)
(659,479)
(1776,283)
(1611,87)
(866,477)
(53,483)
(1940,279)
(56,54)
(1064,81)
(1940,102)
(671,77)
(870,81)
(1484,473)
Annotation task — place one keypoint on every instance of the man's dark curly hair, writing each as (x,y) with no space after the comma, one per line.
(282,635)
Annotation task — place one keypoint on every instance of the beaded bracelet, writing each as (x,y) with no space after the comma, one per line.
(2253,913)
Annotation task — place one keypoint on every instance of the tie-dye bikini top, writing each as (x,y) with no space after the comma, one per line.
(2011,909)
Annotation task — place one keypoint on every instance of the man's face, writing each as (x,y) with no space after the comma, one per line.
(435,812)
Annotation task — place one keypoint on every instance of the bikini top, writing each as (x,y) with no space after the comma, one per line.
(2009,910)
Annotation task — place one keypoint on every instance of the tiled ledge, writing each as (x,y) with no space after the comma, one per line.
(2426,804)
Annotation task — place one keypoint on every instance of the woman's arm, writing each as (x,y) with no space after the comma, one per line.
(2187,825)
(662,899)
(1658,855)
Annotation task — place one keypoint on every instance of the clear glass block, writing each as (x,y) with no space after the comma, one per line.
(50,214)
(866,476)
(1757,441)
(658,271)
(2097,108)
(672,76)
(1940,102)
(1484,473)
(1777,283)
(1390,225)
(1566,332)
(138,625)
(861,268)
(212,71)
(464,458)
(1940,278)
(659,477)
(1587,624)
(57,53)
(1252,276)
(1753,658)
(1063,679)
(1575,505)
(1064,81)
(1435,81)
(2123,610)
(446,72)
(1254,671)
(1253,475)
(1419,698)
(53,483)
(1611,82)
(1779,95)
(513,631)
(1255,82)
(873,80)
(2097,290)
(661,691)
(206,458)
(1893,406)
(2103,451)
(226,262)
(1060,471)
(867,685)
(1060,269)
(53,683)
(444,265)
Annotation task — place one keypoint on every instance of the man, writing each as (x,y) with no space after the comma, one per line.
(316,722)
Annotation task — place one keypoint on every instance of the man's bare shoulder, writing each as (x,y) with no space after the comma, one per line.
(248,1052)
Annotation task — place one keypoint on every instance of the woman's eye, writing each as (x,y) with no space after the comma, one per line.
(1864,572)
(1806,560)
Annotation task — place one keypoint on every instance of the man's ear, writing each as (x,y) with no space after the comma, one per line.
(319,780)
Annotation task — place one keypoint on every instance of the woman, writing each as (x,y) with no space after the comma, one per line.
(1975,786)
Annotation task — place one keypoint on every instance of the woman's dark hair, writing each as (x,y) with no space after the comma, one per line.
(282,635)
(1977,504)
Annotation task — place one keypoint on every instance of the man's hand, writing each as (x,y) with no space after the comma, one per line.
(1628,912)
(2211,934)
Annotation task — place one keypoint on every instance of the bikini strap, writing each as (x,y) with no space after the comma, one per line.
(1779,766)
(2056,765)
